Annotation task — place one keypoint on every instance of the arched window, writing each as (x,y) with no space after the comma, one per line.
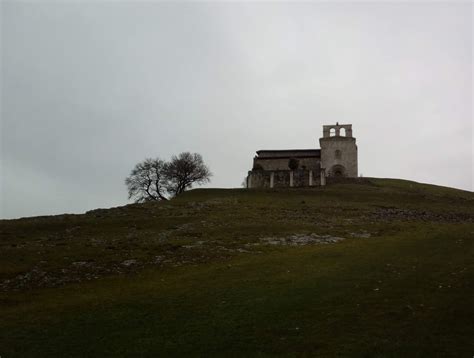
(338,154)
(337,171)
(342,132)
(332,132)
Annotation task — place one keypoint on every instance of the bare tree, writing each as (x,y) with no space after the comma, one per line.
(155,179)
(147,181)
(185,170)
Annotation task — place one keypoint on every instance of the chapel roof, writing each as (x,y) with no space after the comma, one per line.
(283,153)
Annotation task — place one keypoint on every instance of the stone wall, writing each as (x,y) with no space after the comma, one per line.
(283,178)
(282,163)
(258,179)
(301,178)
(339,154)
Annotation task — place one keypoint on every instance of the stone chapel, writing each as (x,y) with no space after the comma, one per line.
(307,167)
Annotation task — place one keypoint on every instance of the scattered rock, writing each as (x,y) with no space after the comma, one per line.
(129,263)
(81,263)
(158,259)
(422,215)
(301,239)
(361,235)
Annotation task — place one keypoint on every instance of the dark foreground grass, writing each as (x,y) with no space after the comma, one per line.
(405,291)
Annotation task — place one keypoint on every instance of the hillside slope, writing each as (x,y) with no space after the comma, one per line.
(379,268)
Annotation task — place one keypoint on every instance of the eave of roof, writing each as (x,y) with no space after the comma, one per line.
(286,150)
(286,157)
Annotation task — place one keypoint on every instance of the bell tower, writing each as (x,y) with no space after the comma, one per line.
(339,151)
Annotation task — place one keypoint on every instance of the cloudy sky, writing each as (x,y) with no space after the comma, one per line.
(91,88)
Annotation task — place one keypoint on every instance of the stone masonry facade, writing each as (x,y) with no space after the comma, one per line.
(307,167)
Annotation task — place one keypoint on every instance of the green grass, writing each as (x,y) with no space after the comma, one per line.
(407,290)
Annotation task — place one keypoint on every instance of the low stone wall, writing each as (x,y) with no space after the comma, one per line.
(283,178)
(258,179)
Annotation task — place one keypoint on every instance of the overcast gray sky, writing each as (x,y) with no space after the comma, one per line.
(91,88)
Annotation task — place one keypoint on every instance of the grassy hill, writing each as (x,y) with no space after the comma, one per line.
(382,268)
